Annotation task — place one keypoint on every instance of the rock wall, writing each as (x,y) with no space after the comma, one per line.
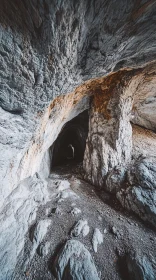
(19,212)
(49,48)
(139,194)
(23,148)
(140,191)
(113,107)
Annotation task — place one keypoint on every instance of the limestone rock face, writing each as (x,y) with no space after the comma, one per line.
(58,59)
(18,214)
(115,179)
(47,49)
(110,136)
(75,262)
(140,196)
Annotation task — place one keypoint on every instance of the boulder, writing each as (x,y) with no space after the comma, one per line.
(81,227)
(75,262)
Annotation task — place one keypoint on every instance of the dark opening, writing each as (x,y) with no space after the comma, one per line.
(70,145)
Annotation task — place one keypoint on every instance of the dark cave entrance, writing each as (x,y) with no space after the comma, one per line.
(69,147)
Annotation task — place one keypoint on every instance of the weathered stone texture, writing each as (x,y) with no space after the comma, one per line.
(140,268)
(47,49)
(18,214)
(75,262)
(140,195)
(109,143)
(54,56)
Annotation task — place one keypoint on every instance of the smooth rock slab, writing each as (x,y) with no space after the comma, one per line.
(74,262)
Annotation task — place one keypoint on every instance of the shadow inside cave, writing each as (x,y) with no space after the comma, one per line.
(69,147)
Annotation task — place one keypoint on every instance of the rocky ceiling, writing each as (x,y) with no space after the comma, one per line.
(59,58)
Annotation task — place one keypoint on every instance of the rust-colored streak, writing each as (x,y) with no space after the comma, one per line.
(102,89)
(108,87)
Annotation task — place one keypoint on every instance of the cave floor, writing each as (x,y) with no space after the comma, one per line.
(122,232)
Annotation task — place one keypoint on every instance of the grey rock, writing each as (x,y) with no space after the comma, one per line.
(41,59)
(140,196)
(18,213)
(114,230)
(97,239)
(47,49)
(81,227)
(140,268)
(40,231)
(115,179)
(75,211)
(43,249)
(143,173)
(75,262)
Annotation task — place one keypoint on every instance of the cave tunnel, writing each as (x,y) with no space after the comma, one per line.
(69,147)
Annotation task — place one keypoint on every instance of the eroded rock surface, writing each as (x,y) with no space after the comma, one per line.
(81,227)
(140,268)
(140,195)
(75,262)
(110,138)
(121,233)
(18,215)
(58,59)
(50,48)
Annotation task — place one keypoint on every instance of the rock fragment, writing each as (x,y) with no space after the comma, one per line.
(75,211)
(63,185)
(43,249)
(81,227)
(85,230)
(97,239)
(75,262)
(39,233)
(115,231)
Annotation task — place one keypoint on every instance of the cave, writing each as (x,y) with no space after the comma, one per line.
(69,147)
(77,139)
